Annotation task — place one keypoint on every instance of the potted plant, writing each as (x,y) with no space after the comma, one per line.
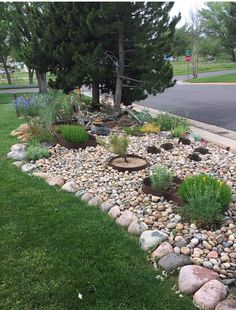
(162,182)
(123,161)
(74,137)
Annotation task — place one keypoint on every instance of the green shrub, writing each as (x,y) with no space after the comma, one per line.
(179,131)
(161,178)
(35,152)
(203,209)
(167,121)
(119,145)
(203,185)
(132,131)
(196,137)
(144,116)
(74,133)
(87,100)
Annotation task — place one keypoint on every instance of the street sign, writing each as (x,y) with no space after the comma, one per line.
(188,53)
(188,58)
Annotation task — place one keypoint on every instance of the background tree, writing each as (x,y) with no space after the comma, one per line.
(27,24)
(182,41)
(5,46)
(219,22)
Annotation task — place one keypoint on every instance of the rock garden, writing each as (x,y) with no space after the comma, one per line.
(165,185)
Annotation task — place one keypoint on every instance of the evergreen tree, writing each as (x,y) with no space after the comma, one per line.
(27,25)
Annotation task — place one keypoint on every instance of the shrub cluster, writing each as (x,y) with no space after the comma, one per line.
(74,133)
(179,131)
(35,152)
(205,198)
(150,127)
(144,116)
(161,178)
(167,121)
(132,131)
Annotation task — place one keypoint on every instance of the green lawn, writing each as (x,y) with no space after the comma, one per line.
(18,78)
(230,78)
(53,247)
(180,67)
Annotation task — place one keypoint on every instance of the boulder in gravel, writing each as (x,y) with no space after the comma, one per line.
(70,187)
(151,238)
(210,294)
(95,201)
(14,155)
(136,228)
(163,249)
(28,167)
(228,304)
(18,163)
(192,277)
(126,218)
(87,196)
(172,261)
(80,193)
(55,180)
(18,147)
(114,212)
(105,206)
(42,175)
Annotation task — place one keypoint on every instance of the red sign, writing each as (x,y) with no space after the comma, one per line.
(188,58)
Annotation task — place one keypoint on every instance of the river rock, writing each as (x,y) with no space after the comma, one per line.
(95,201)
(151,238)
(55,180)
(228,304)
(191,278)
(87,196)
(18,163)
(210,294)
(136,228)
(172,261)
(105,206)
(114,212)
(163,249)
(19,147)
(14,155)
(71,187)
(28,167)
(126,218)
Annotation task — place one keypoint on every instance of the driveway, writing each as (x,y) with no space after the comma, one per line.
(211,104)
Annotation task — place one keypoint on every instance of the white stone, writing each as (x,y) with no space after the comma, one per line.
(151,238)
(114,212)
(14,155)
(70,186)
(28,167)
(126,218)
(136,228)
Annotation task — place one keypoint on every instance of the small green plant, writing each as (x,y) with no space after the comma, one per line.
(119,145)
(203,209)
(144,116)
(35,152)
(167,121)
(179,131)
(74,133)
(132,131)
(161,178)
(201,184)
(150,128)
(196,137)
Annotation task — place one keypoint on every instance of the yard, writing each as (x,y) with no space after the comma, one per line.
(54,247)
(229,78)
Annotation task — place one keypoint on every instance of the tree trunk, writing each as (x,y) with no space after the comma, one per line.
(120,71)
(95,96)
(42,81)
(233,56)
(31,75)
(4,62)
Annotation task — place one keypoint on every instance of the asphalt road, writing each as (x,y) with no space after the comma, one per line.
(211,104)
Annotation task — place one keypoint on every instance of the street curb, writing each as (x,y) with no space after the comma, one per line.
(204,84)
(210,133)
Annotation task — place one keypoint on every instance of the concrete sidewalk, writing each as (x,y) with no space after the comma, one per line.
(220,136)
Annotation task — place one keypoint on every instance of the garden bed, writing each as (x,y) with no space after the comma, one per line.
(89,169)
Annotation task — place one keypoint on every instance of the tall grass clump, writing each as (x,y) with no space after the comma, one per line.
(74,133)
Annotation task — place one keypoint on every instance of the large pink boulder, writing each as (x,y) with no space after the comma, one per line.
(163,249)
(210,294)
(228,304)
(192,277)
(126,218)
